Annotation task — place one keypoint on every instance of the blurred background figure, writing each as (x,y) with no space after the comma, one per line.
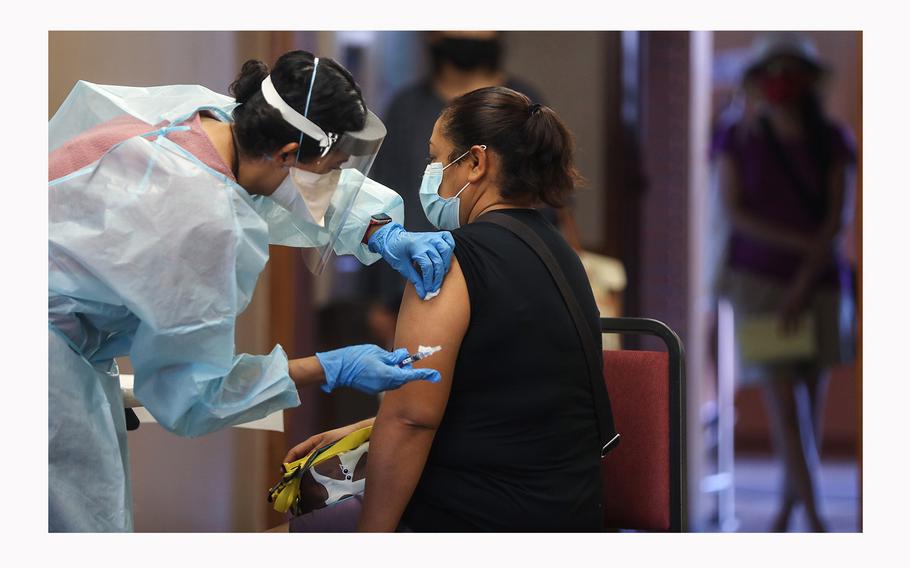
(460,62)
(784,174)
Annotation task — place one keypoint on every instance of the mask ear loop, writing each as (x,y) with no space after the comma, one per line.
(484,148)
(460,190)
(455,160)
(468,151)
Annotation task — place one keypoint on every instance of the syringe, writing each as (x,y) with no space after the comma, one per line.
(422,353)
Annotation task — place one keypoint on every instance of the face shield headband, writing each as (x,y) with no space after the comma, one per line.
(364,142)
(299,121)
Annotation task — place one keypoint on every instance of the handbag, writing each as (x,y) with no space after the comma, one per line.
(325,476)
(761,340)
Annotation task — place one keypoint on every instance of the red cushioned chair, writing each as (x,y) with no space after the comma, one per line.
(644,478)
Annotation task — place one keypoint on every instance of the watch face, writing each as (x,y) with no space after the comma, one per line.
(381,218)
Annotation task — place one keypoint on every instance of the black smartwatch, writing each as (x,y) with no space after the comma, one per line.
(375,220)
(380,219)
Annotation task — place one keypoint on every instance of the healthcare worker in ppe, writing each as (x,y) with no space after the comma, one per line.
(162,204)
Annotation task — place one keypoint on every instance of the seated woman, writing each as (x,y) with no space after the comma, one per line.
(508,439)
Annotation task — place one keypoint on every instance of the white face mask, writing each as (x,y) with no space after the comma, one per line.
(316,190)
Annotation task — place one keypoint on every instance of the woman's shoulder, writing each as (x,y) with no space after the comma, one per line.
(483,250)
(474,233)
(482,232)
(483,227)
(486,245)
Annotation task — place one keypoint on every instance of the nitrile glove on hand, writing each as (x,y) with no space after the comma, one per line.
(370,369)
(432,252)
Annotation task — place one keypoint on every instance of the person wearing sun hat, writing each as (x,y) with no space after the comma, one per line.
(785,173)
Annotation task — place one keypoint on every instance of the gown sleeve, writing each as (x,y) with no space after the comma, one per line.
(374,198)
(183,255)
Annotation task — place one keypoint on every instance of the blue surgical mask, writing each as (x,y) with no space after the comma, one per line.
(440,211)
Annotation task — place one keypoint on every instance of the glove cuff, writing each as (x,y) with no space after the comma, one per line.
(377,242)
(331,368)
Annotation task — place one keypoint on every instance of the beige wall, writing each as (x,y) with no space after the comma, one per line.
(148,58)
(217,482)
(568,69)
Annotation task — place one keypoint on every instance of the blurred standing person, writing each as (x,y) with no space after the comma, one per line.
(784,175)
(460,62)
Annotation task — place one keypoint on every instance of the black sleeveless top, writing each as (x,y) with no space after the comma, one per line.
(518,447)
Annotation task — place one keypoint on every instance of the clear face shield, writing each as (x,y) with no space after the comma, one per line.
(322,192)
(329,186)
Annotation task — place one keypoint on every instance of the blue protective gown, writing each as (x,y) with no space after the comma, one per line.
(152,254)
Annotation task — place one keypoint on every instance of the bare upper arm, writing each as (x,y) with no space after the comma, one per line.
(441,321)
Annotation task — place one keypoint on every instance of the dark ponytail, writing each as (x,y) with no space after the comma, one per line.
(336,104)
(248,82)
(535,148)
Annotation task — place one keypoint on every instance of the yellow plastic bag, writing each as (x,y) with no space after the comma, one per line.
(325,476)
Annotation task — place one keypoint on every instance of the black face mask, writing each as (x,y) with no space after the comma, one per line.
(467,54)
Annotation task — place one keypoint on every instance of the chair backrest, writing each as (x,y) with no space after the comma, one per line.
(636,475)
(644,477)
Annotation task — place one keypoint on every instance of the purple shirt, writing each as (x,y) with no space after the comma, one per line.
(769,193)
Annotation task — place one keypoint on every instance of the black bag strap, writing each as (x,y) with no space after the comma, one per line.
(594,357)
(817,205)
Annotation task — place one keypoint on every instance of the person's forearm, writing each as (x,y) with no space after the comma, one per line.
(306,371)
(398,453)
(364,423)
(822,250)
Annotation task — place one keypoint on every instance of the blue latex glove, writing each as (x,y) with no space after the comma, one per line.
(431,251)
(370,369)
